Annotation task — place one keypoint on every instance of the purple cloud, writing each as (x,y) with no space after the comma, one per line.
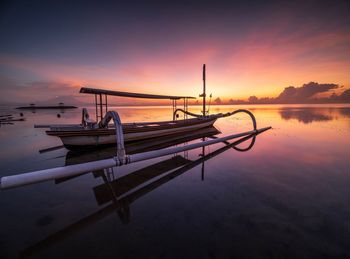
(304,93)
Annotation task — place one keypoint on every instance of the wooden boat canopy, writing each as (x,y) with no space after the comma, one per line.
(87,90)
(102,105)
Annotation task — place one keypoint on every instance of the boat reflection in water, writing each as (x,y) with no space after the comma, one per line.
(93,154)
(117,194)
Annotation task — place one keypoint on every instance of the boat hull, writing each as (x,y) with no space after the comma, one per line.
(73,139)
(105,152)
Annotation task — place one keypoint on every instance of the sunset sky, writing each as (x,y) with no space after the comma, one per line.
(52,48)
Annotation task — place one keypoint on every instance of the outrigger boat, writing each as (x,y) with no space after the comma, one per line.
(89,130)
(90,133)
(93,134)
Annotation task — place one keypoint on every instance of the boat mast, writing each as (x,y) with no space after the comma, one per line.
(203,95)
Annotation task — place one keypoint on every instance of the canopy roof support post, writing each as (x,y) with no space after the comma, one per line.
(175,104)
(101,110)
(184,107)
(106,103)
(96,108)
(99,105)
(174,109)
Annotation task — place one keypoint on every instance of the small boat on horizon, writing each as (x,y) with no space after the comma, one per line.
(32,106)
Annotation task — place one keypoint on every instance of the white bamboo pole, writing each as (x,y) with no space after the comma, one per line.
(59,172)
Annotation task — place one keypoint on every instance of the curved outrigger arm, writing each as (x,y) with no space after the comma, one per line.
(118,132)
(185,112)
(110,115)
(222,115)
(218,115)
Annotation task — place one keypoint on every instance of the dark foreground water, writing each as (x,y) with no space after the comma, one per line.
(286,197)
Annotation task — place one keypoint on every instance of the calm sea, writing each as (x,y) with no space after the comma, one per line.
(286,196)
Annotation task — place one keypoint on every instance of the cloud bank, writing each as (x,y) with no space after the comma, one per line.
(307,93)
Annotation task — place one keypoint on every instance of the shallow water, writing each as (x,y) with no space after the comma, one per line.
(286,197)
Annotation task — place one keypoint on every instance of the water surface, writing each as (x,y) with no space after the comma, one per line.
(286,197)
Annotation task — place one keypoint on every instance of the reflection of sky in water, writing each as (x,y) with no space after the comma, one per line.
(287,197)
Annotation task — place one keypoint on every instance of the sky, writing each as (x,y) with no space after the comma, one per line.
(50,49)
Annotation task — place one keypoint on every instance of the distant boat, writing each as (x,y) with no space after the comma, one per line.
(8,119)
(32,106)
